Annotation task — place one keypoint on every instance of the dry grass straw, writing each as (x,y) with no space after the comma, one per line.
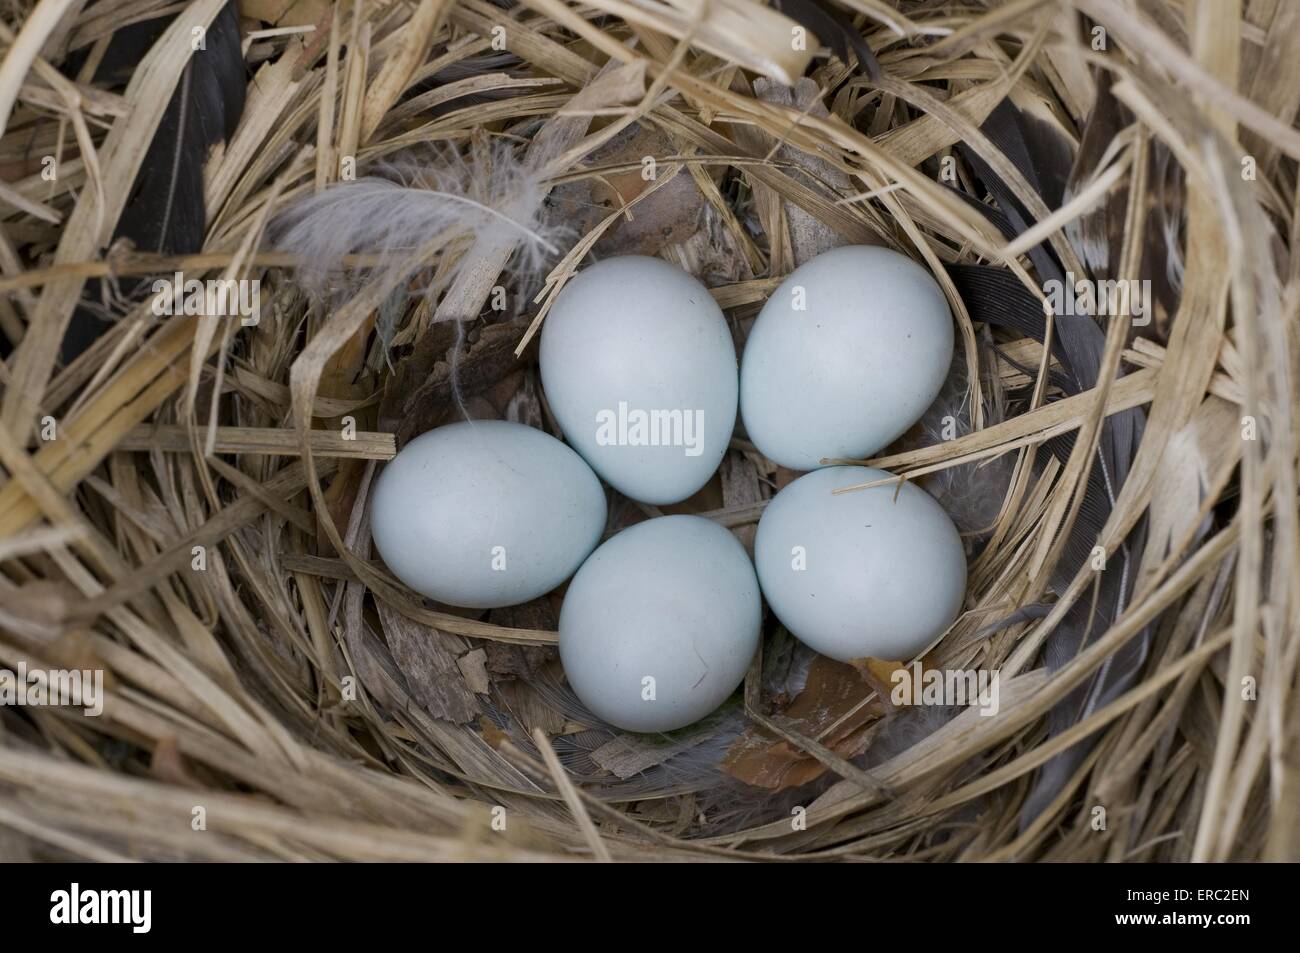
(236,689)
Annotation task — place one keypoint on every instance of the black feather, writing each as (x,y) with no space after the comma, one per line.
(995,296)
(164,213)
(1098,234)
(830,26)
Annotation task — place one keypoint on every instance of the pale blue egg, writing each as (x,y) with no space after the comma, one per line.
(847,353)
(879,572)
(660,625)
(639,369)
(486,513)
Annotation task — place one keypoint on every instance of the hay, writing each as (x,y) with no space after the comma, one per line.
(265,692)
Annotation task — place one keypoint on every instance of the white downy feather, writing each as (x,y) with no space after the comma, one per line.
(419,214)
(407,203)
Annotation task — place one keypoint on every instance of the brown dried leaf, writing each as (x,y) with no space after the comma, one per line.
(473,666)
(832,709)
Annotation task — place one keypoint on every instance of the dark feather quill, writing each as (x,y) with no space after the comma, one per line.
(997,297)
(164,213)
(1098,234)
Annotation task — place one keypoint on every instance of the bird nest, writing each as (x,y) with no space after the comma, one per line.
(249,251)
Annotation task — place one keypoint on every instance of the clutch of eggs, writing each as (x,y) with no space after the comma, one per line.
(661,622)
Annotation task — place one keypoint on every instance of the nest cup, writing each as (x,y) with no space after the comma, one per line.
(398,199)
